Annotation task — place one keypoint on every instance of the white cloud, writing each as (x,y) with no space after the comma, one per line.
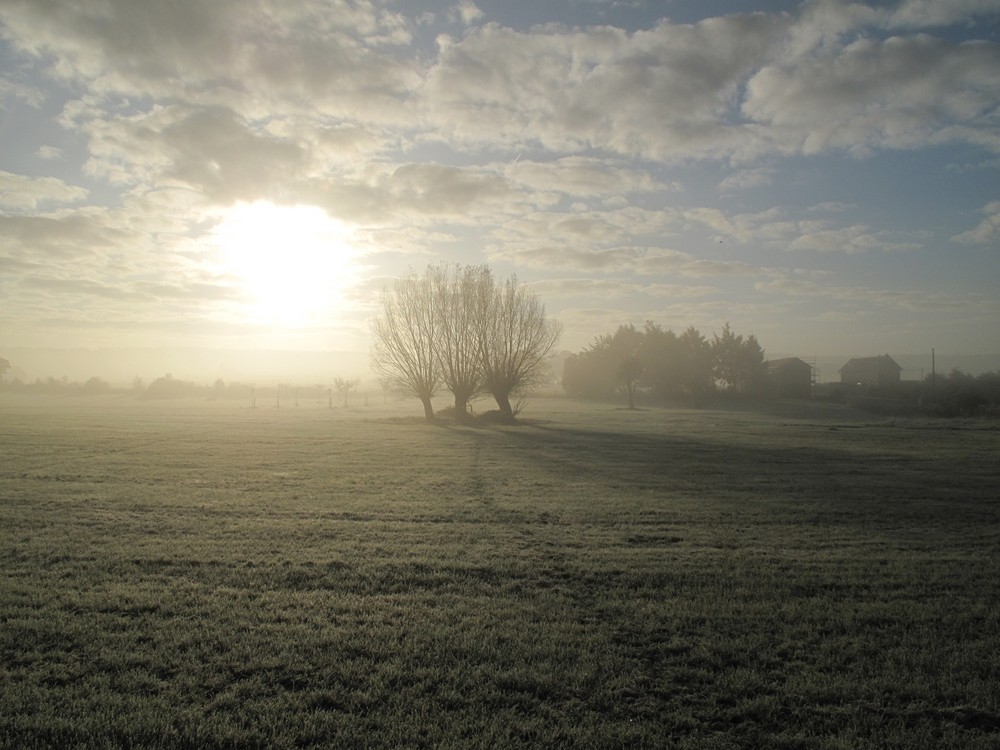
(466,11)
(49,153)
(21,192)
(924,13)
(665,93)
(851,240)
(65,235)
(252,57)
(745,179)
(638,260)
(898,93)
(986,231)
(616,289)
(872,298)
(15,90)
(583,176)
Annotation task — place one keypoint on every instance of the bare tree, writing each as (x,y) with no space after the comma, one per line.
(514,338)
(404,339)
(345,386)
(456,345)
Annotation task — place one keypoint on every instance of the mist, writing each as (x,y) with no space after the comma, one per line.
(120,367)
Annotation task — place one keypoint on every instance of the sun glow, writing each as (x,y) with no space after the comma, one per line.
(292,263)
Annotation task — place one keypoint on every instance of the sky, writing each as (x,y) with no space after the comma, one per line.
(250,174)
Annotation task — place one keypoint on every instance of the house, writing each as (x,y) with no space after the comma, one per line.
(790,377)
(878,371)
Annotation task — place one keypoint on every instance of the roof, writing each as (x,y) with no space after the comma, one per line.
(780,364)
(871,363)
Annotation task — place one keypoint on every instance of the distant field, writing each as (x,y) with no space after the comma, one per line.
(198,574)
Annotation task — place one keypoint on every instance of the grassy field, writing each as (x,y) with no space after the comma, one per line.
(207,575)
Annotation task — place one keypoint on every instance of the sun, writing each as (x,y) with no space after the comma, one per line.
(291,263)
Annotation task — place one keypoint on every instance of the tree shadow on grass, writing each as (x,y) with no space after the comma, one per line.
(865,484)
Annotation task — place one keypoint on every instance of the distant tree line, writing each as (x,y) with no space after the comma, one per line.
(460,328)
(957,394)
(962,394)
(665,366)
(169,387)
(62,386)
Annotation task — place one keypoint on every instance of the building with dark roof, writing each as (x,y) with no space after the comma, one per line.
(790,377)
(878,371)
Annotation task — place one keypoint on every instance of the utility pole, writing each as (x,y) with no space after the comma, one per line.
(933,373)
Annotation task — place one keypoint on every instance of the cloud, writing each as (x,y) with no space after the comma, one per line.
(986,231)
(643,261)
(924,13)
(583,176)
(466,11)
(869,298)
(49,153)
(248,57)
(392,193)
(851,240)
(898,93)
(745,179)
(10,89)
(785,228)
(734,87)
(664,93)
(62,235)
(20,192)
(615,289)
(443,190)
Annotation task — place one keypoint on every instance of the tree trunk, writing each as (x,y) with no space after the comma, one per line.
(428,409)
(461,408)
(503,401)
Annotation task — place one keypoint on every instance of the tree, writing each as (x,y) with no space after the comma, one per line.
(345,386)
(626,345)
(590,374)
(514,337)
(660,360)
(458,327)
(404,339)
(739,362)
(655,359)
(696,364)
(457,309)
(4,366)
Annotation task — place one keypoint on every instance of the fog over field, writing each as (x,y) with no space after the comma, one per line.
(120,366)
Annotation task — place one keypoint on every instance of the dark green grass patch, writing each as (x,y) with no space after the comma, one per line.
(208,576)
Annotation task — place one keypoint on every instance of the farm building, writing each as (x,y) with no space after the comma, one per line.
(790,376)
(873,371)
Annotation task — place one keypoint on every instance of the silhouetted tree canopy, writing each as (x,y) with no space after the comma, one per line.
(169,387)
(739,361)
(664,365)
